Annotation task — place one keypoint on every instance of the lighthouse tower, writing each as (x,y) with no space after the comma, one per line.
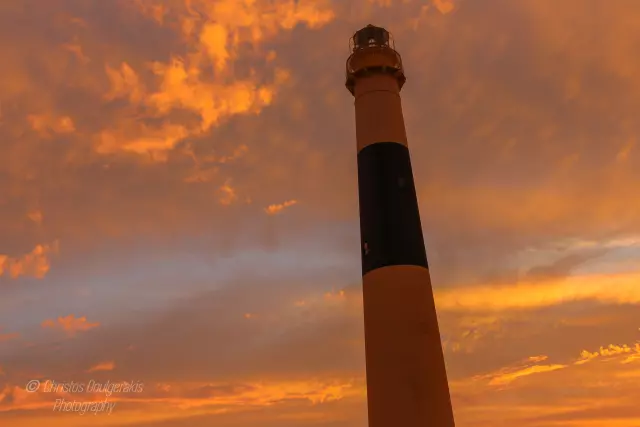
(406,376)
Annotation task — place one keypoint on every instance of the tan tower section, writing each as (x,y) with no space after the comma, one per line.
(406,377)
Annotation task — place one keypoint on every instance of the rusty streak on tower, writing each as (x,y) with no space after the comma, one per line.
(406,376)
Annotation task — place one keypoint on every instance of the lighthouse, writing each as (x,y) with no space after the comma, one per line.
(406,376)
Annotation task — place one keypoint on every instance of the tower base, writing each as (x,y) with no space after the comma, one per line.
(406,377)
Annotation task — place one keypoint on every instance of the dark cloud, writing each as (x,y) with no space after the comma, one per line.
(142,141)
(563,266)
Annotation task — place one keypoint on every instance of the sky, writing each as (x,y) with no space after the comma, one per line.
(178,208)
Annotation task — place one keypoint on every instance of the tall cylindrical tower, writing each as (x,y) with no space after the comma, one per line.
(406,377)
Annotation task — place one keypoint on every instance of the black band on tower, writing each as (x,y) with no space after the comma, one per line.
(390,229)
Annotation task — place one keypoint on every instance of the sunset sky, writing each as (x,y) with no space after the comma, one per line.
(178,207)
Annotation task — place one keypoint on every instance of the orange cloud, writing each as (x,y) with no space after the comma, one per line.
(8,336)
(47,125)
(76,49)
(213,37)
(70,324)
(104,366)
(124,83)
(334,295)
(444,6)
(611,288)
(36,263)
(206,166)
(277,208)
(611,350)
(138,138)
(35,216)
(508,377)
(227,194)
